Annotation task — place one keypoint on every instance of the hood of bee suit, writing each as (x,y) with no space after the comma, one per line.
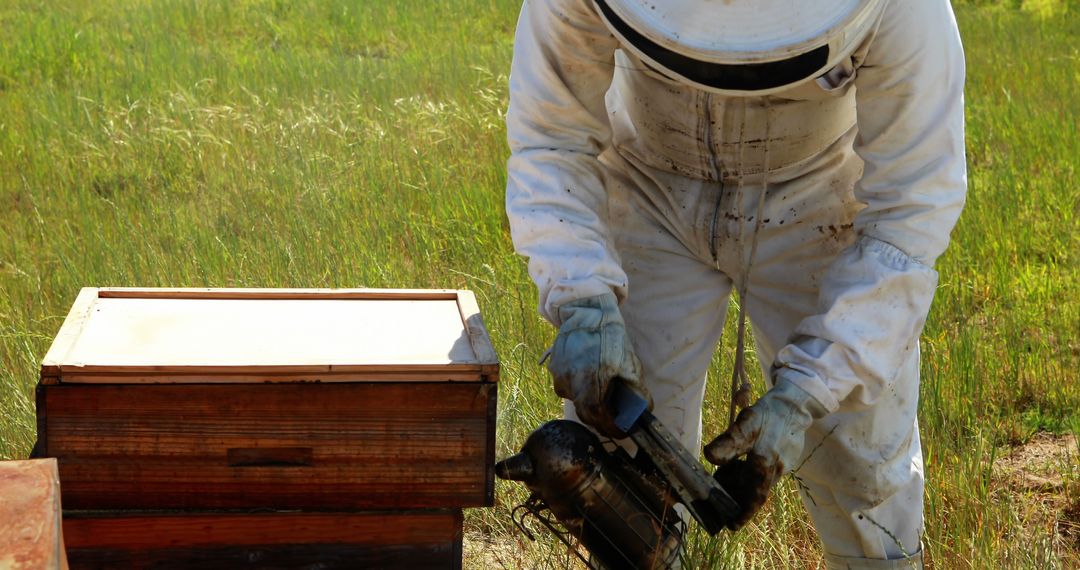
(741,47)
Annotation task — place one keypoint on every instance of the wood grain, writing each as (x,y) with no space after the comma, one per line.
(401,539)
(372,445)
(69,331)
(30,533)
(478,335)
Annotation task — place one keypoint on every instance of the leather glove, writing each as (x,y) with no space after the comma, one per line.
(591,351)
(771,434)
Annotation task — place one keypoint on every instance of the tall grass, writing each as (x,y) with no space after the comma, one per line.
(344,144)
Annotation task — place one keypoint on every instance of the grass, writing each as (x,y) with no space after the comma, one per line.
(342,144)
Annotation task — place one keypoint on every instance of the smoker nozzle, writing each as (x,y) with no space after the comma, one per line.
(517,467)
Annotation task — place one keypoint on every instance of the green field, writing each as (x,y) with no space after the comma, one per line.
(326,143)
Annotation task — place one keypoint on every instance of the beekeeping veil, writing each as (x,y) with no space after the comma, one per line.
(741,47)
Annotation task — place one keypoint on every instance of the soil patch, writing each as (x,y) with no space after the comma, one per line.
(1044,472)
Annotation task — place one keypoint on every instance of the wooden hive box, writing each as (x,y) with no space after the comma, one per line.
(30,532)
(371,412)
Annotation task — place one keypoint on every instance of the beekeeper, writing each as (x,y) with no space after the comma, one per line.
(809,154)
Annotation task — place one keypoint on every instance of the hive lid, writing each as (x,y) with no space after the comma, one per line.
(231,335)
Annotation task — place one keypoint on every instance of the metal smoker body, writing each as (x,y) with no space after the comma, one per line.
(621,509)
(623,519)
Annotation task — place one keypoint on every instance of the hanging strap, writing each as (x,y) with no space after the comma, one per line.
(740,380)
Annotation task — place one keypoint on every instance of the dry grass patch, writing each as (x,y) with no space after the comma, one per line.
(1042,478)
(513,551)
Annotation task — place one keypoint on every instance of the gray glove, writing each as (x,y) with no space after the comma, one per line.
(590,352)
(771,434)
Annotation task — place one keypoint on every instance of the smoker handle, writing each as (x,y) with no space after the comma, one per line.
(627,404)
(700,493)
(707,500)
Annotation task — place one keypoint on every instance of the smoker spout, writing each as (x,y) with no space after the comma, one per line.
(515,468)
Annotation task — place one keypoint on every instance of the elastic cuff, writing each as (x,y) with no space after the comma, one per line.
(913,562)
(810,384)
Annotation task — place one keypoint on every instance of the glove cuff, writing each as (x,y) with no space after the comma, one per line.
(811,386)
(604,306)
(786,389)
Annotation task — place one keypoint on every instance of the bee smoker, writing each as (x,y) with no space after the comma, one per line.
(622,517)
(620,508)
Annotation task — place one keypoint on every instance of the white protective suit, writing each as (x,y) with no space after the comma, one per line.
(623,180)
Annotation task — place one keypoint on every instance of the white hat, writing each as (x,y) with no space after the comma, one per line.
(741,47)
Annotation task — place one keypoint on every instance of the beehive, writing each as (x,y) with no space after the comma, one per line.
(30,532)
(343,427)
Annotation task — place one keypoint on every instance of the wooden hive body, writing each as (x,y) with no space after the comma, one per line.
(229,404)
(30,531)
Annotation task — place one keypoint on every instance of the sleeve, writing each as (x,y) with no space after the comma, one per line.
(557,126)
(876,295)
